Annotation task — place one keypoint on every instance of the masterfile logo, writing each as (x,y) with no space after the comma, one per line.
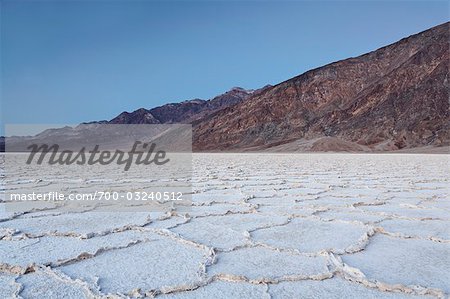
(146,156)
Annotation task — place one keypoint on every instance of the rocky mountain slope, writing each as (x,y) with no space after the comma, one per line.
(392,98)
(184,112)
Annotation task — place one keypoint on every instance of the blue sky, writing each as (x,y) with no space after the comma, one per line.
(74,61)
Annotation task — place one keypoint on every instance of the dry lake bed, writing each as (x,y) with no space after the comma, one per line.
(260,226)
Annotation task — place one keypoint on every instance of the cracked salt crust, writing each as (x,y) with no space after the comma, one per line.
(39,284)
(334,288)
(8,286)
(153,265)
(349,214)
(428,229)
(260,226)
(404,261)
(54,250)
(6,213)
(408,211)
(218,196)
(168,223)
(332,202)
(265,265)
(225,232)
(77,224)
(223,290)
(217,209)
(275,200)
(287,209)
(313,235)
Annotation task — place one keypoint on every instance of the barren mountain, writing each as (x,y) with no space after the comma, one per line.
(184,112)
(392,98)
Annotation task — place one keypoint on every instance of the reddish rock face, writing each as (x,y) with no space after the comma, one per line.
(394,97)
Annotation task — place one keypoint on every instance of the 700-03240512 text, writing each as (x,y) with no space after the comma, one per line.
(98,195)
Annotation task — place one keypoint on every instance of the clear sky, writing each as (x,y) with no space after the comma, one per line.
(75,61)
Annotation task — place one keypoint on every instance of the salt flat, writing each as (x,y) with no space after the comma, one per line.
(260,226)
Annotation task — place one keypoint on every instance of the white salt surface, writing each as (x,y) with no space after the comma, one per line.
(260,226)
(223,290)
(334,288)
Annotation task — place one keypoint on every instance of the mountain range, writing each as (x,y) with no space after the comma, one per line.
(187,111)
(394,98)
